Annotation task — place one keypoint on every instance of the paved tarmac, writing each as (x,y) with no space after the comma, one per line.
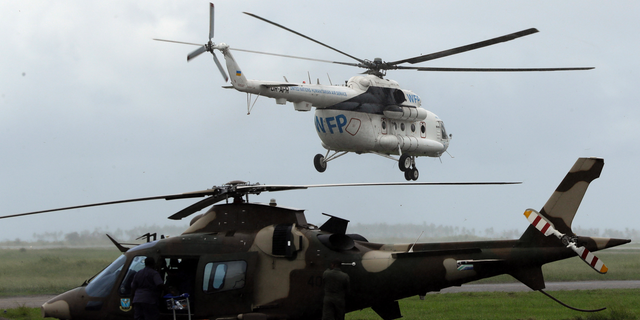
(37,301)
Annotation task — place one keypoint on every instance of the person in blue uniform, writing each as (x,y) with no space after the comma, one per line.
(146,288)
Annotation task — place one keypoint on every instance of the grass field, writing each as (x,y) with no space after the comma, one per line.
(621,305)
(49,271)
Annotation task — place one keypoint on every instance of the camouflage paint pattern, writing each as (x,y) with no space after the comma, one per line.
(285,257)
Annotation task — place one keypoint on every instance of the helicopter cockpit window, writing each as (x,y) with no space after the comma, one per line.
(444,132)
(101,285)
(223,276)
(137,264)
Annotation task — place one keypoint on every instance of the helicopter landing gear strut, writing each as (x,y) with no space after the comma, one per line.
(407,164)
(320,161)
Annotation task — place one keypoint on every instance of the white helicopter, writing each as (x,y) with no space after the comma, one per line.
(369,114)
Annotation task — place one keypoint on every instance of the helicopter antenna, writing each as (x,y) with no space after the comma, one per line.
(331,83)
(309,76)
(414,243)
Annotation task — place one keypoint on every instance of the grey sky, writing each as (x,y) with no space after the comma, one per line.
(92,110)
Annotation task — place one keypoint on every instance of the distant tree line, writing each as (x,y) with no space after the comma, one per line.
(374,232)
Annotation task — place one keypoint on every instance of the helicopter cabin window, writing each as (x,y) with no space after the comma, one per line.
(402,126)
(223,276)
(136,265)
(413,127)
(101,285)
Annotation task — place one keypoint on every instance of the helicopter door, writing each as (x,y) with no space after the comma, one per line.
(225,283)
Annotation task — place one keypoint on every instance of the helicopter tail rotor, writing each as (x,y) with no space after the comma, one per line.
(571,242)
(207,47)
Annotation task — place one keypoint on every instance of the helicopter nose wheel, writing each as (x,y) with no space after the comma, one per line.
(320,163)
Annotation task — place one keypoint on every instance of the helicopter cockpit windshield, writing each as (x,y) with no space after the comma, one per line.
(101,285)
(443,131)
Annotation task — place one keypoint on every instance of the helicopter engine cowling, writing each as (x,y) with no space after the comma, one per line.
(405,113)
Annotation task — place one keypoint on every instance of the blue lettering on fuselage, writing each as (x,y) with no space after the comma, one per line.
(413,98)
(338,122)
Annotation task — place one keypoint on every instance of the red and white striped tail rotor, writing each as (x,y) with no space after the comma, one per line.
(547,228)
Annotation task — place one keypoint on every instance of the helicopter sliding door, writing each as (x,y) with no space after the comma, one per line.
(225,283)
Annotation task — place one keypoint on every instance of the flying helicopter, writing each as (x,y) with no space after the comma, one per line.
(243,260)
(369,113)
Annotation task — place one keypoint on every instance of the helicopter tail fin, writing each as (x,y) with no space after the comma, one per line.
(563,204)
(238,80)
(551,227)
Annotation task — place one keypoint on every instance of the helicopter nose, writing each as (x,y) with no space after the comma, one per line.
(57,309)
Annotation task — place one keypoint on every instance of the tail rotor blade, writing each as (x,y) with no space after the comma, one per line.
(544,226)
(211,15)
(196,53)
(541,223)
(224,74)
(589,258)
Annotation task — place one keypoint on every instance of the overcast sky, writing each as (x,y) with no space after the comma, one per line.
(92,109)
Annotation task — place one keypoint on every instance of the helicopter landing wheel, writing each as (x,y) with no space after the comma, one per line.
(320,163)
(404,163)
(411,174)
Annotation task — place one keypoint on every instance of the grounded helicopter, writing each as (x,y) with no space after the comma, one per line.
(369,114)
(244,260)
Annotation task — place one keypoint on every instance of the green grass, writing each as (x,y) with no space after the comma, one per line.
(50,271)
(22,313)
(621,305)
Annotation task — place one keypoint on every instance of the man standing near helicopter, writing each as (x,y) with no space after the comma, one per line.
(146,287)
(336,286)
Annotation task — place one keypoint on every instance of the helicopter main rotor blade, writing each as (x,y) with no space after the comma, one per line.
(306,37)
(187,195)
(180,42)
(241,190)
(445,69)
(294,57)
(271,188)
(469,47)
(217,194)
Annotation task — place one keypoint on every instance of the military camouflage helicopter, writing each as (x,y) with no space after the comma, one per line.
(368,114)
(242,260)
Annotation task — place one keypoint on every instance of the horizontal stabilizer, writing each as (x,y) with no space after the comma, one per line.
(432,253)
